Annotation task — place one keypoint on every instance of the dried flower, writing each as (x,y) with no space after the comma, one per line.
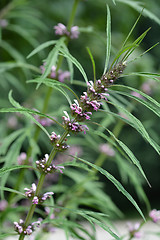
(155,215)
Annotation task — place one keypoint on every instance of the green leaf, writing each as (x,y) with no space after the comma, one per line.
(8,140)
(10,65)
(51,59)
(108,40)
(93,64)
(135,123)
(75,62)
(11,190)
(54,84)
(41,47)
(8,169)
(115,182)
(23,33)
(137,6)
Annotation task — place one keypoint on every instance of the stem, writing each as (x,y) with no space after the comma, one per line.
(54,151)
(72,16)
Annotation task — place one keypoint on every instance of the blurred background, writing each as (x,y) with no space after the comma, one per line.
(26,24)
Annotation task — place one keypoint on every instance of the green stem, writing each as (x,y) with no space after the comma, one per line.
(72,16)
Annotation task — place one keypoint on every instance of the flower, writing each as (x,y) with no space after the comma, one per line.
(30,191)
(61,76)
(42,165)
(155,215)
(106,149)
(3,205)
(60,146)
(74,33)
(20,227)
(136,94)
(61,29)
(3,23)
(134,230)
(148,86)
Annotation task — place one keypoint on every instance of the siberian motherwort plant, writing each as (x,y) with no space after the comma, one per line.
(61,205)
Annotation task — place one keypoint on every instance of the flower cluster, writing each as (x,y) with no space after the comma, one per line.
(134,230)
(91,100)
(73,126)
(30,193)
(42,166)
(61,29)
(60,146)
(111,76)
(155,215)
(61,76)
(20,227)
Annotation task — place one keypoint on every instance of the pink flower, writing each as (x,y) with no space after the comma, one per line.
(60,29)
(3,23)
(136,94)
(3,205)
(106,149)
(74,33)
(134,230)
(155,215)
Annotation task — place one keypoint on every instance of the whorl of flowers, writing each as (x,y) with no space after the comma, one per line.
(60,146)
(42,166)
(30,193)
(90,101)
(72,125)
(60,75)
(20,227)
(61,29)
(155,215)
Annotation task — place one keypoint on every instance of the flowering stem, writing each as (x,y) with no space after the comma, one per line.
(40,184)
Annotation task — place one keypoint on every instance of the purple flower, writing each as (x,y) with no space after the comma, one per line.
(60,29)
(30,191)
(21,228)
(134,230)
(21,158)
(61,76)
(155,215)
(45,196)
(35,200)
(148,87)
(136,94)
(74,33)
(3,205)
(3,23)
(106,149)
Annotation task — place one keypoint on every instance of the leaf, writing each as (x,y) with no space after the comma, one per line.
(108,40)
(137,6)
(93,63)
(12,190)
(54,84)
(115,182)
(5,66)
(75,62)
(155,109)
(23,33)
(135,123)
(8,169)
(9,139)
(51,59)
(41,47)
